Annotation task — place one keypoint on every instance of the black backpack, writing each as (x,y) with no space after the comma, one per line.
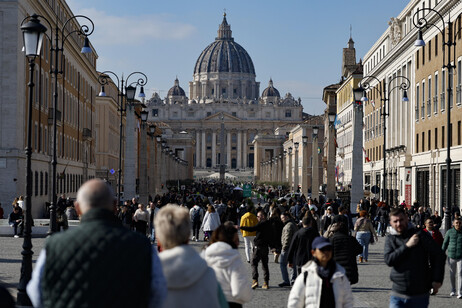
(196,215)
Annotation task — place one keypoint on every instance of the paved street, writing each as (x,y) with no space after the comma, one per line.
(372,290)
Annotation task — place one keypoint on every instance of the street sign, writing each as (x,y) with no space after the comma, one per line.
(247,191)
(112,171)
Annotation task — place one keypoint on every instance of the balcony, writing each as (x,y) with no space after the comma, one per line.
(50,116)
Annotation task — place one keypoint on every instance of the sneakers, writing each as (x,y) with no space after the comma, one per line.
(16,236)
(452,294)
(284,284)
(194,238)
(265,286)
(459,296)
(254,284)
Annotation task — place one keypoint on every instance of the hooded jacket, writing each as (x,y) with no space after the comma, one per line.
(308,293)
(190,282)
(453,243)
(230,271)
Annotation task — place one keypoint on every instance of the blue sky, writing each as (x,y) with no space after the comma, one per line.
(297,43)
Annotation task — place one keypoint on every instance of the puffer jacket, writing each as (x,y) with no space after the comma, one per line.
(248,220)
(411,273)
(230,271)
(345,249)
(453,243)
(287,233)
(308,294)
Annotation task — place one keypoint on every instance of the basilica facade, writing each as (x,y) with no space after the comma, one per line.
(224,111)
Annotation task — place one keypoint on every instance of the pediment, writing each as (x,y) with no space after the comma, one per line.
(217,117)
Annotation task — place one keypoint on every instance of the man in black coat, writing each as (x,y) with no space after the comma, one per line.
(299,250)
(416,260)
(262,241)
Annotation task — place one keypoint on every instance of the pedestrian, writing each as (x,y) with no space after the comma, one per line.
(262,241)
(433,231)
(416,260)
(323,282)
(15,220)
(326,219)
(299,250)
(277,225)
(141,218)
(211,222)
(222,255)
(124,216)
(248,220)
(365,234)
(152,210)
(453,245)
(286,238)
(88,265)
(196,213)
(345,249)
(2,213)
(71,213)
(190,282)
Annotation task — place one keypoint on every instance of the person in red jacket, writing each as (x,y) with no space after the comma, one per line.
(434,232)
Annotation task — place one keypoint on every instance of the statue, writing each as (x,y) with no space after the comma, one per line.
(395,31)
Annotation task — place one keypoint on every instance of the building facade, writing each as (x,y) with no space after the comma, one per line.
(224,89)
(76,108)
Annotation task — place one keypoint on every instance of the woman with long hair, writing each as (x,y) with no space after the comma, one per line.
(364,233)
(222,255)
(211,222)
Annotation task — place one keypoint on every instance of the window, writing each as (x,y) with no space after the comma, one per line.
(41,183)
(459,78)
(423,141)
(429,98)
(417,102)
(422,110)
(209,113)
(436,138)
(417,59)
(155,112)
(234,114)
(46,183)
(442,136)
(235,91)
(423,55)
(417,143)
(288,113)
(429,143)
(429,50)
(458,133)
(223,90)
(443,87)
(451,84)
(436,45)
(435,98)
(36,186)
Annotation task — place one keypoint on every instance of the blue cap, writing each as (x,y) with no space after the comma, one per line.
(320,242)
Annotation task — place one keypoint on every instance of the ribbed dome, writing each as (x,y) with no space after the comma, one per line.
(224,55)
(176,90)
(270,91)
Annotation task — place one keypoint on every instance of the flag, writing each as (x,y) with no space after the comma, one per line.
(367,158)
(319,150)
(337,121)
(335,142)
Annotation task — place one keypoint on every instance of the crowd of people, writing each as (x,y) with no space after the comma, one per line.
(317,244)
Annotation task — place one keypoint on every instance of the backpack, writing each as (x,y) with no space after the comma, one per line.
(196,215)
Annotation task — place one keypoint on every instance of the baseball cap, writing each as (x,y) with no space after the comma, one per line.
(320,243)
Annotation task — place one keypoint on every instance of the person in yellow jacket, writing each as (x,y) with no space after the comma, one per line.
(249,220)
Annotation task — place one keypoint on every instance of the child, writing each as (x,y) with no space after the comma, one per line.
(323,282)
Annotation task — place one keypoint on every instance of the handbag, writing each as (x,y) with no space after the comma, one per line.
(372,241)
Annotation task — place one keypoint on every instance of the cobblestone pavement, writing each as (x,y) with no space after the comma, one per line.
(372,290)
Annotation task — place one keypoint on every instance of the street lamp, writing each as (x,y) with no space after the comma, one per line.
(103,80)
(58,69)
(384,94)
(33,32)
(448,42)
(314,167)
(143,161)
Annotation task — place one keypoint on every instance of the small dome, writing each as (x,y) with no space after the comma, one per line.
(270,91)
(176,90)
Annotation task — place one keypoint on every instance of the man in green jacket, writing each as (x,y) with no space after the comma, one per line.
(453,244)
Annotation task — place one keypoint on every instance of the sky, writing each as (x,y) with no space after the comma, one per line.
(297,43)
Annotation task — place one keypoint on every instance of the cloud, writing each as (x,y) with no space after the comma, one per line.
(113,30)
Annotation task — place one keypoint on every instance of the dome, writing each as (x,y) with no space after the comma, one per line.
(270,91)
(224,55)
(176,90)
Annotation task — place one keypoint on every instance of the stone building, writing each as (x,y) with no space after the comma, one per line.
(76,92)
(224,89)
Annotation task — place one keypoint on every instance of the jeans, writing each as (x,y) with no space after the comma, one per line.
(249,246)
(455,269)
(283,265)
(364,238)
(260,254)
(196,225)
(15,225)
(413,302)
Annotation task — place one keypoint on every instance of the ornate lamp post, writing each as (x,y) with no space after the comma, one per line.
(33,32)
(314,168)
(290,168)
(448,42)
(296,176)
(143,180)
(305,173)
(103,80)
(57,52)
(384,90)
(330,191)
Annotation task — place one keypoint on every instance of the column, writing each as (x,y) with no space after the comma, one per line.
(296,176)
(244,150)
(143,180)
(357,186)
(239,149)
(315,170)
(214,149)
(228,150)
(305,166)
(330,193)
(130,155)
(281,168)
(203,164)
(290,171)
(198,149)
